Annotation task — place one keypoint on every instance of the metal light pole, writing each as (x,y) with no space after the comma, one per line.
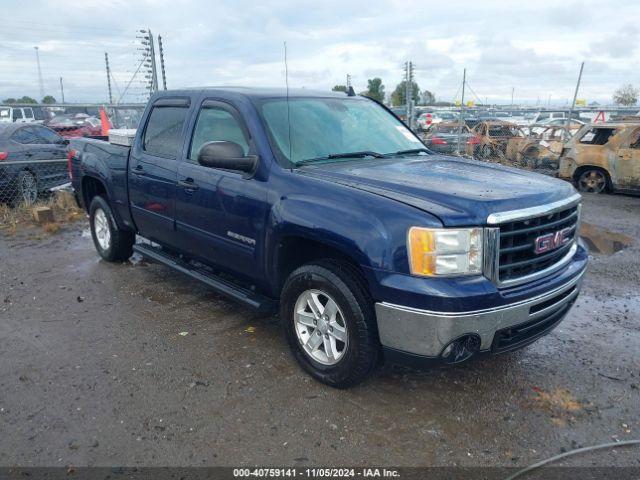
(40,81)
(575,96)
(461,119)
(106,61)
(61,90)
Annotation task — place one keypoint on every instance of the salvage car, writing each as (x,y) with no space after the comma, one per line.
(33,159)
(604,158)
(328,209)
(443,137)
(496,139)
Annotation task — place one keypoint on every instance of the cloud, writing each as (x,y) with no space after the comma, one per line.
(536,47)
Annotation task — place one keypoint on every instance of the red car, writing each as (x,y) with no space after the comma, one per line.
(73,126)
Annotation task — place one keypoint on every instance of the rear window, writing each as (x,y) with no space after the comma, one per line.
(597,136)
(162,135)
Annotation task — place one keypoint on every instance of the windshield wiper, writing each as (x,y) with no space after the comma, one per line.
(331,156)
(408,152)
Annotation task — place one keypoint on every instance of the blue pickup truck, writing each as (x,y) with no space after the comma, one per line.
(326,207)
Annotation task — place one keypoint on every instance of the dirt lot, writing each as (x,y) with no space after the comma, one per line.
(94,371)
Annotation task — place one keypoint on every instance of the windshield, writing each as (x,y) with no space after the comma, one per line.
(321,127)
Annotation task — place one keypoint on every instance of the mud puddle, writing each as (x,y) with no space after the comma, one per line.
(603,241)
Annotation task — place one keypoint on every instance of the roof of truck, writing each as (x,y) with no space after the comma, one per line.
(257,93)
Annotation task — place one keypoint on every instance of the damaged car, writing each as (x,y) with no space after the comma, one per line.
(604,158)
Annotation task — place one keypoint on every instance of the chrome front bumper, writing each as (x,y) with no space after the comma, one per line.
(427,333)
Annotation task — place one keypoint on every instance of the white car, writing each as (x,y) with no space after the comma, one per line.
(16,114)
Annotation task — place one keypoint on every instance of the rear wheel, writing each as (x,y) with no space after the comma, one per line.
(112,243)
(329,322)
(593,181)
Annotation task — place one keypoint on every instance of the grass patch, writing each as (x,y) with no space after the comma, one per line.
(62,204)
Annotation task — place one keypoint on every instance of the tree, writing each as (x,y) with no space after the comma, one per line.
(428,98)
(398,95)
(626,95)
(375,89)
(339,88)
(49,99)
(23,99)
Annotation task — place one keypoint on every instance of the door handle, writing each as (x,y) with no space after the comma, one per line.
(138,170)
(188,184)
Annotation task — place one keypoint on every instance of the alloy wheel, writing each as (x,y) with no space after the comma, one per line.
(320,327)
(101,229)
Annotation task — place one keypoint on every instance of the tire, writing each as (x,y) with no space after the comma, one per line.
(486,151)
(355,358)
(27,189)
(112,243)
(593,180)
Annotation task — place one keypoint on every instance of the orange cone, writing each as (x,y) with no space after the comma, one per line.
(105,123)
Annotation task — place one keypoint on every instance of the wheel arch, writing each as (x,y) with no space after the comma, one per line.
(91,187)
(294,250)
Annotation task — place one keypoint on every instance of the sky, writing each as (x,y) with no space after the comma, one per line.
(533,49)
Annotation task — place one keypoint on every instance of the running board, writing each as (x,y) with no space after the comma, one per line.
(262,304)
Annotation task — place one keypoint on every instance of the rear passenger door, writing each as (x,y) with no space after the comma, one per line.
(53,148)
(153,168)
(628,162)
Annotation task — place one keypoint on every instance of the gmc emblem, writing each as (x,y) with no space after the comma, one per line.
(551,241)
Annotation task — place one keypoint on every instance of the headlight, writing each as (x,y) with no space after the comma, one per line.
(445,251)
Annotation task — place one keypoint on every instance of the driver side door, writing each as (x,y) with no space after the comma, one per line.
(220,213)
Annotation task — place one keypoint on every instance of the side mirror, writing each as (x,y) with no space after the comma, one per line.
(227,155)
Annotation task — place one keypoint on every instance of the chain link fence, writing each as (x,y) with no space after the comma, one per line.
(28,182)
(527,139)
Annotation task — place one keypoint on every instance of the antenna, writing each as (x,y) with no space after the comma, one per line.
(286,79)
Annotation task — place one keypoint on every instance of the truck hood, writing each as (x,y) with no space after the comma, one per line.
(458,191)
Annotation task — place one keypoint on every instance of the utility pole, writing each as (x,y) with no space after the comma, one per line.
(408,92)
(154,68)
(513,89)
(61,90)
(575,96)
(106,61)
(40,81)
(461,119)
(149,60)
(164,77)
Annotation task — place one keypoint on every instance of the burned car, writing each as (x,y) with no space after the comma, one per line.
(603,157)
(443,137)
(542,146)
(496,139)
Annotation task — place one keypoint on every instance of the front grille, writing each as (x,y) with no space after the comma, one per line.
(517,257)
(518,336)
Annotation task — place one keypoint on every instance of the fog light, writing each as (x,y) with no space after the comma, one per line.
(461,349)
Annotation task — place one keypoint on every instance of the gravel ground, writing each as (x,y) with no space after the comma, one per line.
(94,371)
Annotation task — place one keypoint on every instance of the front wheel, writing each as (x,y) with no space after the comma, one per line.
(593,181)
(329,322)
(112,243)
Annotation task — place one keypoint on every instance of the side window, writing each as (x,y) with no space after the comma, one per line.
(28,113)
(17,114)
(635,139)
(47,136)
(162,135)
(597,136)
(216,124)
(24,136)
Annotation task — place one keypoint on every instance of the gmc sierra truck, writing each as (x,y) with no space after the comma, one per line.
(326,207)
